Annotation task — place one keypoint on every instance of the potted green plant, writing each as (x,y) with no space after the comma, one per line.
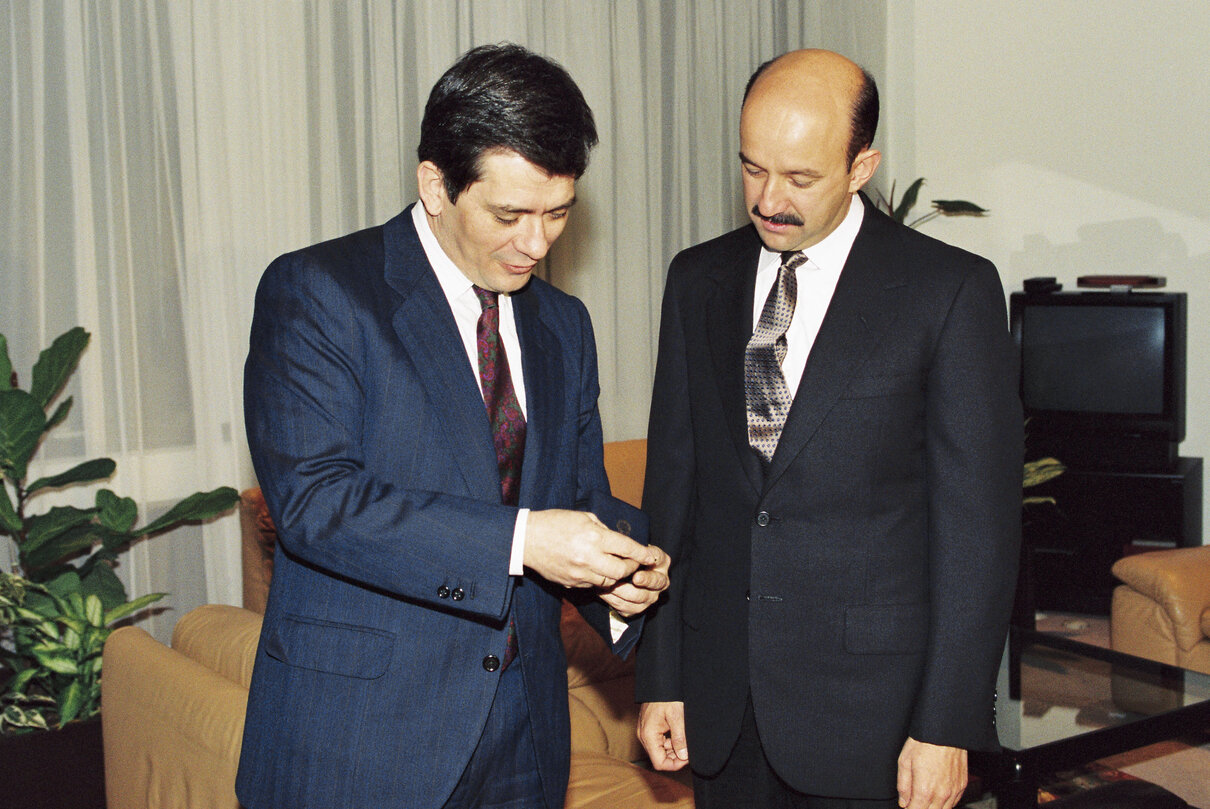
(941,207)
(61,602)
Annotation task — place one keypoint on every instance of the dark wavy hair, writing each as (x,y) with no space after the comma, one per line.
(864,119)
(505,97)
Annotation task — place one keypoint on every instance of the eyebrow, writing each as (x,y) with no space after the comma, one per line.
(513,210)
(811,173)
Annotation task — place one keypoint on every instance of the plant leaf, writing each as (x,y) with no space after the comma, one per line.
(21,680)
(96,469)
(198,506)
(60,533)
(59,415)
(21,423)
(56,363)
(57,662)
(93,610)
(66,582)
(105,584)
(1040,471)
(116,513)
(70,702)
(10,523)
(957,207)
(131,607)
(6,365)
(907,201)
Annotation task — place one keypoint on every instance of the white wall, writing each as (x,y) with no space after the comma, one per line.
(1082,125)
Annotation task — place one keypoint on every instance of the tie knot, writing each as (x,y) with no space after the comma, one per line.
(793,259)
(487,298)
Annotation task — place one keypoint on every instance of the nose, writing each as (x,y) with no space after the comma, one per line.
(532,239)
(770,200)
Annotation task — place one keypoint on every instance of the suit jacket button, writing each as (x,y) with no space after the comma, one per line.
(762,519)
(458,594)
(443,592)
(491,663)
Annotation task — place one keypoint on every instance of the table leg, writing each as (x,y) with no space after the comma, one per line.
(1018,792)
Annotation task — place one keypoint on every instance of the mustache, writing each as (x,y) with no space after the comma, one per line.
(777,218)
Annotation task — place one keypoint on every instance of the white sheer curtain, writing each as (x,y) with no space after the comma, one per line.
(155,155)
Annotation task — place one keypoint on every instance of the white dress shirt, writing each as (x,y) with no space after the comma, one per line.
(817,279)
(459,292)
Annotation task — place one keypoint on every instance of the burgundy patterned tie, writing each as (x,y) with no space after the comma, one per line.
(504,415)
(503,410)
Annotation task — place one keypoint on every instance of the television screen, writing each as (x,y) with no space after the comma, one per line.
(1103,375)
(1100,359)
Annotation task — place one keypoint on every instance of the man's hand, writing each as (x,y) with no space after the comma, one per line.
(575,549)
(930,776)
(631,596)
(662,732)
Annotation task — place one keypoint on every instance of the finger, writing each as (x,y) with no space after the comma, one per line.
(628,594)
(649,579)
(628,609)
(903,782)
(624,608)
(679,746)
(613,568)
(624,547)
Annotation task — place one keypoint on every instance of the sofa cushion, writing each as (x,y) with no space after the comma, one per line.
(599,781)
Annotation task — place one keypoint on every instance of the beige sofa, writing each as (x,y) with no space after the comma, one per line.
(1161,610)
(173,717)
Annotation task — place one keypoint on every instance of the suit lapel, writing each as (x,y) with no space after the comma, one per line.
(542,363)
(863,307)
(428,335)
(728,329)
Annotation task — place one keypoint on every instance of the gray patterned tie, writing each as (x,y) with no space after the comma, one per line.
(765,389)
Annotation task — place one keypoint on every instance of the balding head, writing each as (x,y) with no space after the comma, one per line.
(832,79)
(802,162)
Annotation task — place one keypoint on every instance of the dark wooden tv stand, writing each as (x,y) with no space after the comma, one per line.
(1101,515)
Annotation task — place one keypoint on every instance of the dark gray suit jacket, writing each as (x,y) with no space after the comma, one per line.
(861,588)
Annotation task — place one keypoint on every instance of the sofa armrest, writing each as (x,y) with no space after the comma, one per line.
(171,728)
(221,638)
(1179,581)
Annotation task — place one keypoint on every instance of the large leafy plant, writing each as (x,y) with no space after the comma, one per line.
(59,606)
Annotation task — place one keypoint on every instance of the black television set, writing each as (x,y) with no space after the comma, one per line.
(1103,376)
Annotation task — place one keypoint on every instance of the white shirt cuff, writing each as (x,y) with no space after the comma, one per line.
(516,560)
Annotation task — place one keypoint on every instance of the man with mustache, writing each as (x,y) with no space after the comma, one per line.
(834,466)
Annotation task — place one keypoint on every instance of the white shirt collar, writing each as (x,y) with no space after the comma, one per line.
(454,282)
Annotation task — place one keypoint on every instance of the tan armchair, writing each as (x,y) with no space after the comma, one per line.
(1162,609)
(174,717)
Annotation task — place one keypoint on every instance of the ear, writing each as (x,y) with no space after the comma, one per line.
(864,166)
(430,183)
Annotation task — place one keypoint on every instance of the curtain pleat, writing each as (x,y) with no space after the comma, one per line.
(156,155)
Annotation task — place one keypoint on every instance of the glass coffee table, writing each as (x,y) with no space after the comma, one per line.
(1063,704)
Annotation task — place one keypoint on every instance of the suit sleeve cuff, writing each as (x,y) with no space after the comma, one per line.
(516,560)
